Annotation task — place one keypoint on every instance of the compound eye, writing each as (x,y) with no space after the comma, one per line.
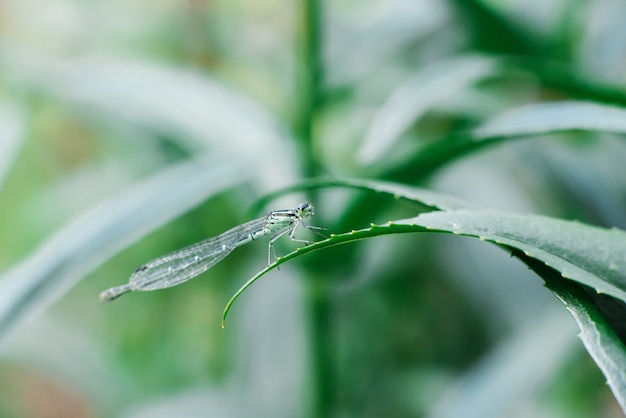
(306,209)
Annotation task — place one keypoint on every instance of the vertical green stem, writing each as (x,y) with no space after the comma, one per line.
(321,364)
(309,96)
(308,88)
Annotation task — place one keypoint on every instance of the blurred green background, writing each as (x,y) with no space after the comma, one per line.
(117,117)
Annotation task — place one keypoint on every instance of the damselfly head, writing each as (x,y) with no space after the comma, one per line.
(305,210)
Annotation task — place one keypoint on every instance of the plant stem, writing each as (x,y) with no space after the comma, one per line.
(321,379)
(309,96)
(308,89)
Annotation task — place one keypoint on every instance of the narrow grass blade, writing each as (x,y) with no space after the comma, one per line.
(527,121)
(416,96)
(191,108)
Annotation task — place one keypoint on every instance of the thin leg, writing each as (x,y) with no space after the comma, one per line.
(293,231)
(270,247)
(315,229)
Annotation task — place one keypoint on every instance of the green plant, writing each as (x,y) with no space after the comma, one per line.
(450,92)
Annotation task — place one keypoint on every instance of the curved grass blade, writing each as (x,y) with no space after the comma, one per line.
(206,111)
(582,253)
(190,108)
(542,118)
(334,239)
(526,121)
(563,76)
(416,96)
(588,255)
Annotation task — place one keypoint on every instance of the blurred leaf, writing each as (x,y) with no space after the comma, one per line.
(187,107)
(568,79)
(82,245)
(546,118)
(416,96)
(490,31)
(530,120)
(12,133)
(379,37)
(502,380)
(593,193)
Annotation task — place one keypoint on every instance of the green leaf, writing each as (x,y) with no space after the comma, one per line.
(526,121)
(582,253)
(12,133)
(568,79)
(589,255)
(193,109)
(417,95)
(598,336)
(545,118)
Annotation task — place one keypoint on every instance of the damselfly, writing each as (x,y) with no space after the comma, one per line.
(185,264)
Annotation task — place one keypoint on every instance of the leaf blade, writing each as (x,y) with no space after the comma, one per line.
(590,255)
(526,121)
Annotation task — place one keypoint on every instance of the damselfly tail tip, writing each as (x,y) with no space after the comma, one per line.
(114,293)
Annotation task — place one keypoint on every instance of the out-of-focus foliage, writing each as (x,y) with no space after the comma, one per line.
(131,129)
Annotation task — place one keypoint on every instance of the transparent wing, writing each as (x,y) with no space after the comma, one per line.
(185,264)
